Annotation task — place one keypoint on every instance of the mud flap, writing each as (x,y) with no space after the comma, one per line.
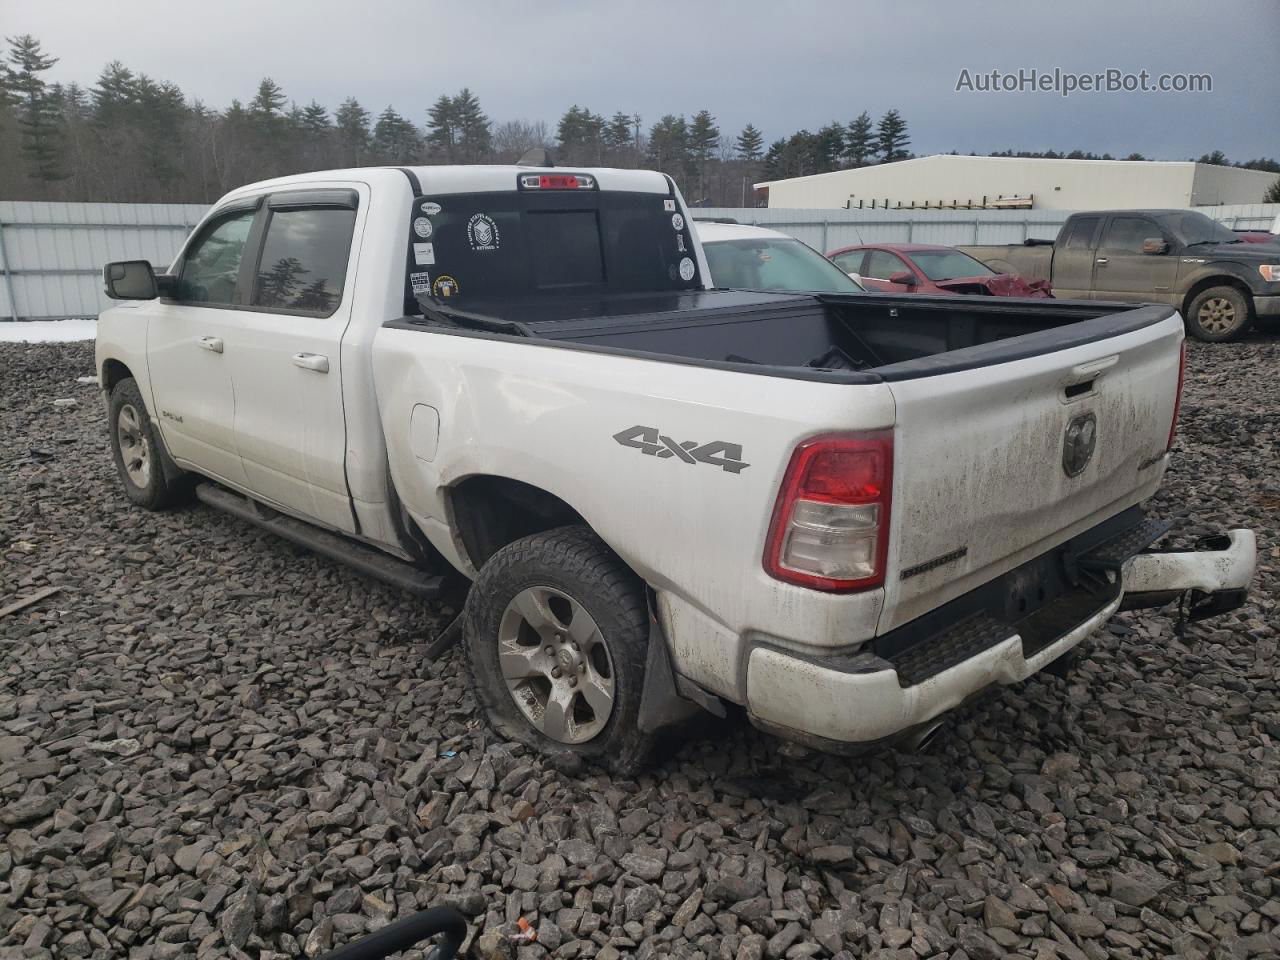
(668,700)
(1215,576)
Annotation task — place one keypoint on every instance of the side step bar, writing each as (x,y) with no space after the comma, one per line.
(372,563)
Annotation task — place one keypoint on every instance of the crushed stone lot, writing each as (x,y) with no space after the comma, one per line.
(213,744)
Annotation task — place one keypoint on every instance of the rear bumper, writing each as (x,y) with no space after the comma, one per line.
(860,699)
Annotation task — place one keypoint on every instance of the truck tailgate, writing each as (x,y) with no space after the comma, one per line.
(984,479)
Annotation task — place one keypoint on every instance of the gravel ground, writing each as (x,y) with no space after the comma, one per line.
(213,744)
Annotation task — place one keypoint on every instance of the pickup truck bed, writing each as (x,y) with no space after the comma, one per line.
(864,338)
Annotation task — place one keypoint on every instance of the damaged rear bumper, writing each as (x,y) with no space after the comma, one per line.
(890,691)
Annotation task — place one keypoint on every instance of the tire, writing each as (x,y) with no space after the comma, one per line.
(568,687)
(1219,314)
(140,459)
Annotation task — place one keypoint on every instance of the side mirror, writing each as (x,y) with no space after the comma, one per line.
(1155,245)
(130,280)
(904,277)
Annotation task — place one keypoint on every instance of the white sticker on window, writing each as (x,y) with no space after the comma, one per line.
(686,269)
(430,207)
(424,254)
(422,227)
(421,282)
(677,221)
(669,205)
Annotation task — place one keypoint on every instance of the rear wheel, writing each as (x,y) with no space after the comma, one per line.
(557,631)
(137,452)
(1218,314)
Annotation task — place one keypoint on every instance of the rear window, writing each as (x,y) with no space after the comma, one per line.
(528,243)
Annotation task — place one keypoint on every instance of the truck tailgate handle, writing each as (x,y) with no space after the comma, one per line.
(1102,260)
(311,361)
(210,343)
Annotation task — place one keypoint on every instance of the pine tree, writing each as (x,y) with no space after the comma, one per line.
(860,142)
(395,139)
(351,124)
(830,146)
(442,128)
(704,138)
(314,118)
(773,161)
(475,134)
(891,137)
(39,116)
(617,133)
(750,144)
(1273,193)
(269,101)
(669,145)
(580,135)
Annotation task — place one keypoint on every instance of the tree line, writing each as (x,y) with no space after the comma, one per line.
(129,137)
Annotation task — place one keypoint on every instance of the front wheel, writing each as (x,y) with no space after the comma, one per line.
(557,631)
(1218,314)
(136,451)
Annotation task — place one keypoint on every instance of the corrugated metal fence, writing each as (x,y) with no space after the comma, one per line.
(828,229)
(51,254)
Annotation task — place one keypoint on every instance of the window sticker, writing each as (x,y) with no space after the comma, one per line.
(445,286)
(680,242)
(669,205)
(677,221)
(424,254)
(686,269)
(431,208)
(421,282)
(482,232)
(422,227)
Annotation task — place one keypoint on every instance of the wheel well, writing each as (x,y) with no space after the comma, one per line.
(113,371)
(491,512)
(1200,286)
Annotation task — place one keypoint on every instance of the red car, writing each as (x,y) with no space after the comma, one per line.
(930,269)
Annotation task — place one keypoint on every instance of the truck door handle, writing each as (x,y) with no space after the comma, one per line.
(311,361)
(1102,260)
(213,344)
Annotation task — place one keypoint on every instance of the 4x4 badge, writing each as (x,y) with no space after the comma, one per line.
(717,453)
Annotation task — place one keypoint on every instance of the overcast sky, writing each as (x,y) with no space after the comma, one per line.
(781,65)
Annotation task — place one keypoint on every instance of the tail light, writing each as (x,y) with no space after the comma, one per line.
(830,528)
(1177,400)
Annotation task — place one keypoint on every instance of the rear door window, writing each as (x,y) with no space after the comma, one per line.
(303,266)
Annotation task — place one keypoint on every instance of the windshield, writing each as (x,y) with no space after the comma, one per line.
(948,264)
(1192,228)
(774,263)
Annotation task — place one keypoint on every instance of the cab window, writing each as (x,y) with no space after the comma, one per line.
(304,260)
(212,262)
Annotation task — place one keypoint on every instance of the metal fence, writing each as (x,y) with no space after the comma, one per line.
(51,254)
(828,229)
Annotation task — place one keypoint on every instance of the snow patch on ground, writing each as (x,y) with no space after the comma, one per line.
(48,331)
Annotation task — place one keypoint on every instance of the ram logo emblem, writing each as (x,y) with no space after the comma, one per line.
(1078,444)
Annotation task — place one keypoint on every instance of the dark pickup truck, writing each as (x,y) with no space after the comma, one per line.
(1219,283)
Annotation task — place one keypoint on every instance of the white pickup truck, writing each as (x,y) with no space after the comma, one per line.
(845,512)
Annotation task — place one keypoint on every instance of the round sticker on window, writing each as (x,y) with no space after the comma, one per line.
(430,207)
(422,227)
(686,269)
(677,221)
(445,286)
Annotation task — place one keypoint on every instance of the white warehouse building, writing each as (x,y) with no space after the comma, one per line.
(950,181)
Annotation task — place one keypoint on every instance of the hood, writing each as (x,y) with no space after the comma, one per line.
(997,285)
(1266,252)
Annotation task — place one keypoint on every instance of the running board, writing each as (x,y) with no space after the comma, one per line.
(372,563)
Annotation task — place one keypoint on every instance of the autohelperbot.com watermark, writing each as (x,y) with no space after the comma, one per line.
(1065,83)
